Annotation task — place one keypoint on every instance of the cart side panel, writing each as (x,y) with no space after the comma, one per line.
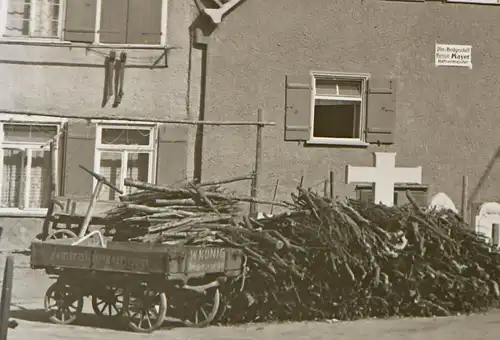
(141,247)
(205,260)
(126,261)
(45,254)
(234,262)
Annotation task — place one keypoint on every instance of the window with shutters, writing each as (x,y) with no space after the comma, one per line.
(340,109)
(25,184)
(110,22)
(32,18)
(124,152)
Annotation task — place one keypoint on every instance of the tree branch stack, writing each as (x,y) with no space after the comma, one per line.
(324,258)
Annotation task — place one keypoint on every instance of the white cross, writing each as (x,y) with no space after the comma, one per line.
(383,176)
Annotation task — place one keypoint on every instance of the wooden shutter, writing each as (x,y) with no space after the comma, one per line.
(113,22)
(80,20)
(144,22)
(172,154)
(298,108)
(420,197)
(368,196)
(79,150)
(381,111)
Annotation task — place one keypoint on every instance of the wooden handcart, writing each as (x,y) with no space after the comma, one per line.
(70,217)
(136,282)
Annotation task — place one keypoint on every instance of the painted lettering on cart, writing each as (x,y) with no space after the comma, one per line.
(120,262)
(69,256)
(210,260)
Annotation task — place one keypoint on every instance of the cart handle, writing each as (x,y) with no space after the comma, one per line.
(102,179)
(200,289)
(86,237)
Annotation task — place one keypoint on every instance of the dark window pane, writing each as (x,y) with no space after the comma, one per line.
(336,119)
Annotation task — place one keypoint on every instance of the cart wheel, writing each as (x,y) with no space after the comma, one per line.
(110,303)
(61,233)
(62,303)
(205,311)
(146,309)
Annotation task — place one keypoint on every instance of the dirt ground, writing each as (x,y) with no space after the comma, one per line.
(29,289)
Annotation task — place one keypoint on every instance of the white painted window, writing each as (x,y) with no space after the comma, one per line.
(32,18)
(338,107)
(124,151)
(25,184)
(130,22)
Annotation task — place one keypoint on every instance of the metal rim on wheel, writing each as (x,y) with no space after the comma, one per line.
(110,303)
(146,309)
(62,303)
(60,234)
(205,312)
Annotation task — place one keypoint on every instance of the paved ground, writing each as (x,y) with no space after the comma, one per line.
(30,286)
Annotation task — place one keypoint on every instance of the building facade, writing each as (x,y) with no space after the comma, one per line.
(343,79)
(340,79)
(61,76)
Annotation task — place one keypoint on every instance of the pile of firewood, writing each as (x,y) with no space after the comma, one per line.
(326,259)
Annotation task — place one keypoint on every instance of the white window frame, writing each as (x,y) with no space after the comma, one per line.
(24,210)
(476,2)
(363,78)
(4,5)
(152,148)
(3,22)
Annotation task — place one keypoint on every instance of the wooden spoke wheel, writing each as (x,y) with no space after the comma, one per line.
(62,303)
(204,310)
(146,309)
(109,303)
(60,234)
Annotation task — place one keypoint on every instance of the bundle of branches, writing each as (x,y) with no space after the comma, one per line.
(348,260)
(324,259)
(157,213)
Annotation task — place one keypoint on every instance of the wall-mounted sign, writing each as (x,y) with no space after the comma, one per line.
(453,55)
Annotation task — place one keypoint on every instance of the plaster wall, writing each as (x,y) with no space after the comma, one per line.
(62,80)
(447,117)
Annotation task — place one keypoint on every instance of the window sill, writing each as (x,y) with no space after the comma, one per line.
(60,43)
(337,142)
(9,212)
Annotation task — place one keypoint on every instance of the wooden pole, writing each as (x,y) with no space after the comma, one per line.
(495,235)
(258,161)
(332,184)
(325,188)
(274,195)
(8,276)
(464,203)
(53,171)
(54,190)
(164,121)
(93,202)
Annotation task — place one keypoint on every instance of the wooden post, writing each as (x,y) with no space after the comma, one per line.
(332,184)
(6,297)
(464,203)
(53,170)
(93,202)
(274,195)
(54,190)
(258,160)
(495,235)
